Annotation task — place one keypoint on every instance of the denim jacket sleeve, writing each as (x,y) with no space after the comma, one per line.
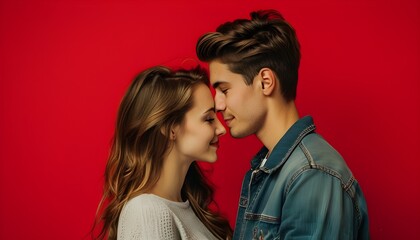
(317,207)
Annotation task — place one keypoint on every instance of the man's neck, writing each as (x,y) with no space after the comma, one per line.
(279,119)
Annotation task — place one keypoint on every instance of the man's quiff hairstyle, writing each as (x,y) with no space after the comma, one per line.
(247,46)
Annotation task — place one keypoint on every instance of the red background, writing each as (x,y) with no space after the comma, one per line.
(64,66)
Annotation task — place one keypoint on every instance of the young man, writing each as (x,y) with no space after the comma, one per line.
(298,187)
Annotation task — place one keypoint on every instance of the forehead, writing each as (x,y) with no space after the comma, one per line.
(220,74)
(202,98)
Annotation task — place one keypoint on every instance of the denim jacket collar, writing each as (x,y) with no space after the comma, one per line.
(285,146)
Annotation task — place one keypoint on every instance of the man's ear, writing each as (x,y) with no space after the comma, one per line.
(268,81)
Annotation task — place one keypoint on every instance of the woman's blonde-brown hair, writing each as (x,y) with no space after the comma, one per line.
(156,100)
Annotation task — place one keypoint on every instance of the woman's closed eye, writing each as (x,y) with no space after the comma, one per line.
(210,119)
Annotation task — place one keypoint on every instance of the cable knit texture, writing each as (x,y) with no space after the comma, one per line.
(151,217)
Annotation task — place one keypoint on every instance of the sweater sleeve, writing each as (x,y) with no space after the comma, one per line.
(146,219)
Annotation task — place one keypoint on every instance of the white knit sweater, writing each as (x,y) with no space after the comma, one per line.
(148,216)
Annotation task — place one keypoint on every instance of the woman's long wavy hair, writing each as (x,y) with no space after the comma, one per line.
(156,100)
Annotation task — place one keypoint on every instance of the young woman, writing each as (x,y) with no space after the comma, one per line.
(154,189)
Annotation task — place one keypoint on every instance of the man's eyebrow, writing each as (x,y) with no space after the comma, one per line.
(216,84)
(220,84)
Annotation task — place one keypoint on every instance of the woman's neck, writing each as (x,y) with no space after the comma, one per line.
(171,178)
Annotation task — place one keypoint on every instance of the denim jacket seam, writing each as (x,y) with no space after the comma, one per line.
(250,201)
(346,187)
(298,140)
(358,213)
(261,217)
(256,194)
(307,154)
(346,183)
(295,176)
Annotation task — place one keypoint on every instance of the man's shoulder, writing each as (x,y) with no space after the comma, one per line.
(315,153)
(319,152)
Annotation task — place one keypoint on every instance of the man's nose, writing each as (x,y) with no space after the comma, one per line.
(219,101)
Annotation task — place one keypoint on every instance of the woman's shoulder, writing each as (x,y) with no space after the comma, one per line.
(145,203)
(145,210)
(146,217)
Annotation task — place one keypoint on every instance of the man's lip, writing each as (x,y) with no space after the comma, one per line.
(228,120)
(215,144)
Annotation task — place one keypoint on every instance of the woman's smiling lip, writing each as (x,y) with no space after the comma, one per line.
(215,144)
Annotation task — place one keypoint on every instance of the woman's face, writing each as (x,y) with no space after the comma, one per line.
(197,137)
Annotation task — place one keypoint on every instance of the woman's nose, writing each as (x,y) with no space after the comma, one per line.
(220,129)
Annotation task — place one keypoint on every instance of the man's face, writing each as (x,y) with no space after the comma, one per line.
(242,106)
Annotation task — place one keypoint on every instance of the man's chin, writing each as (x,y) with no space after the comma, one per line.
(236,134)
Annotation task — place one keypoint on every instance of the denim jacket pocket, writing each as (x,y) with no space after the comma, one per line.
(264,227)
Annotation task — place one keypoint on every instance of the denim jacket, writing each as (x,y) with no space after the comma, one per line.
(304,190)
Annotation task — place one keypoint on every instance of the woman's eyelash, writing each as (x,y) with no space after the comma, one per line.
(209,119)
